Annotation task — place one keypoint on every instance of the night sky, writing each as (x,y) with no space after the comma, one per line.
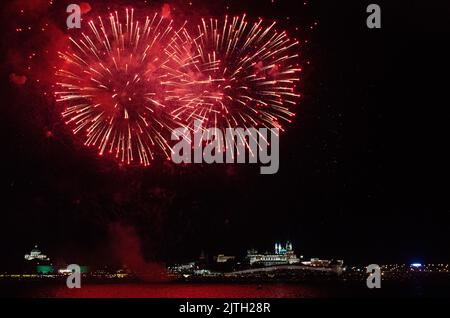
(363,168)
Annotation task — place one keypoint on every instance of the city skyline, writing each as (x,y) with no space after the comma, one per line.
(362,165)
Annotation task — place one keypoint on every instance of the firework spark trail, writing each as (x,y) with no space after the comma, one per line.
(112,83)
(246,76)
(127,84)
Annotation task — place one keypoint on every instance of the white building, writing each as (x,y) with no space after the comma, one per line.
(283,256)
(36,254)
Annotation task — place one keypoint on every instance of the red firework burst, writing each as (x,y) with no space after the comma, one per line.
(111,84)
(127,85)
(245,76)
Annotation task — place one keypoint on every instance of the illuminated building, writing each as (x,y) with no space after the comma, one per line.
(65,271)
(221,258)
(36,254)
(282,256)
(316,262)
(183,268)
(45,269)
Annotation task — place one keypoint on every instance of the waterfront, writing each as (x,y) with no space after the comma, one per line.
(36,289)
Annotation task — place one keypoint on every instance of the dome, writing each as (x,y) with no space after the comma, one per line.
(35,250)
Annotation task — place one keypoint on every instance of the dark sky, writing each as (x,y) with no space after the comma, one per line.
(364,168)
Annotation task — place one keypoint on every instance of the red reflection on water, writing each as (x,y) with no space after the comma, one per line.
(183,291)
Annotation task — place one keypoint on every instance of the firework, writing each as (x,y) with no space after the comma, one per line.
(112,84)
(246,76)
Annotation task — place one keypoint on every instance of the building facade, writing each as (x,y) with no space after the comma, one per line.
(283,255)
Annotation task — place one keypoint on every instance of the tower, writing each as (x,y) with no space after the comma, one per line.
(288,246)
